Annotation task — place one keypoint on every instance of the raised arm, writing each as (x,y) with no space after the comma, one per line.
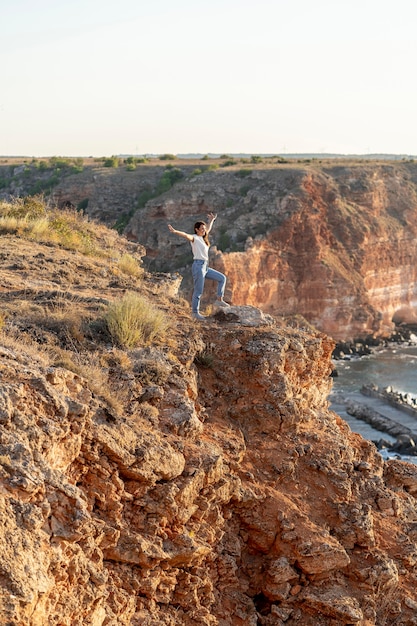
(212,218)
(180,233)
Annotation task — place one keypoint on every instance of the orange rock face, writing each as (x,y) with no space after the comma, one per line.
(229,496)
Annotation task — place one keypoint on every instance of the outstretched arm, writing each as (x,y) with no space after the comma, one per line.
(212,218)
(180,233)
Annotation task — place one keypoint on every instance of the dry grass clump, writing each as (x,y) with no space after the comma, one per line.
(3,318)
(31,218)
(27,209)
(133,321)
(127,264)
(64,315)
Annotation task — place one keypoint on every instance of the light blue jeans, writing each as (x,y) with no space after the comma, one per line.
(201,271)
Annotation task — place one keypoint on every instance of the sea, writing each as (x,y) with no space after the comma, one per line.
(394,365)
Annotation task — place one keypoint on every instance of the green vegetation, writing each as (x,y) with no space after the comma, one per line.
(243,173)
(131,162)
(133,321)
(228,163)
(81,206)
(144,196)
(40,175)
(244,190)
(59,163)
(223,241)
(169,178)
(167,157)
(113,161)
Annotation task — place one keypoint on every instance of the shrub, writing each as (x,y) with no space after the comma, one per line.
(204,358)
(111,162)
(223,242)
(167,157)
(243,173)
(133,321)
(169,178)
(44,185)
(81,206)
(129,265)
(144,196)
(68,230)
(28,208)
(72,165)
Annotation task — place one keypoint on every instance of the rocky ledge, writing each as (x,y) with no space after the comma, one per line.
(219,490)
(226,494)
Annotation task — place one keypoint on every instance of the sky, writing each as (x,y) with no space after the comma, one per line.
(100,77)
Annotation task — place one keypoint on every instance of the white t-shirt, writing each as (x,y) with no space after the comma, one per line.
(200,248)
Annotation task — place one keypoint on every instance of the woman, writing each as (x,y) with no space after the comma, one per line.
(200,269)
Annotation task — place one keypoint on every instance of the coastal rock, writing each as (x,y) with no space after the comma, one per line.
(198,481)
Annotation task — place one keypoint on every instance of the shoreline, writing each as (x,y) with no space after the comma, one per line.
(383,413)
(403,335)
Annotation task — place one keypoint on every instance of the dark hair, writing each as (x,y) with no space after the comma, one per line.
(205,237)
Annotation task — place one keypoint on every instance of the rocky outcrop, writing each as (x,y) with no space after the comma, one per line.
(223,492)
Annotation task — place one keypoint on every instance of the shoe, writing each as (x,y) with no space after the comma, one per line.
(199,317)
(221,303)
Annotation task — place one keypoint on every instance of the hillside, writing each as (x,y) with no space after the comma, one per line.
(197,478)
(331,240)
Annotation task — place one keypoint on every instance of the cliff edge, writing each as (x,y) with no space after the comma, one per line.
(197,480)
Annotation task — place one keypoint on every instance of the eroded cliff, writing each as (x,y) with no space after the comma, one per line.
(218,490)
(336,244)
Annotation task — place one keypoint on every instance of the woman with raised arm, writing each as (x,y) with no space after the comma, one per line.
(200,245)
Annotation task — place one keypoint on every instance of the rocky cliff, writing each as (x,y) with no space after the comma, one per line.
(200,480)
(335,244)
(334,241)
